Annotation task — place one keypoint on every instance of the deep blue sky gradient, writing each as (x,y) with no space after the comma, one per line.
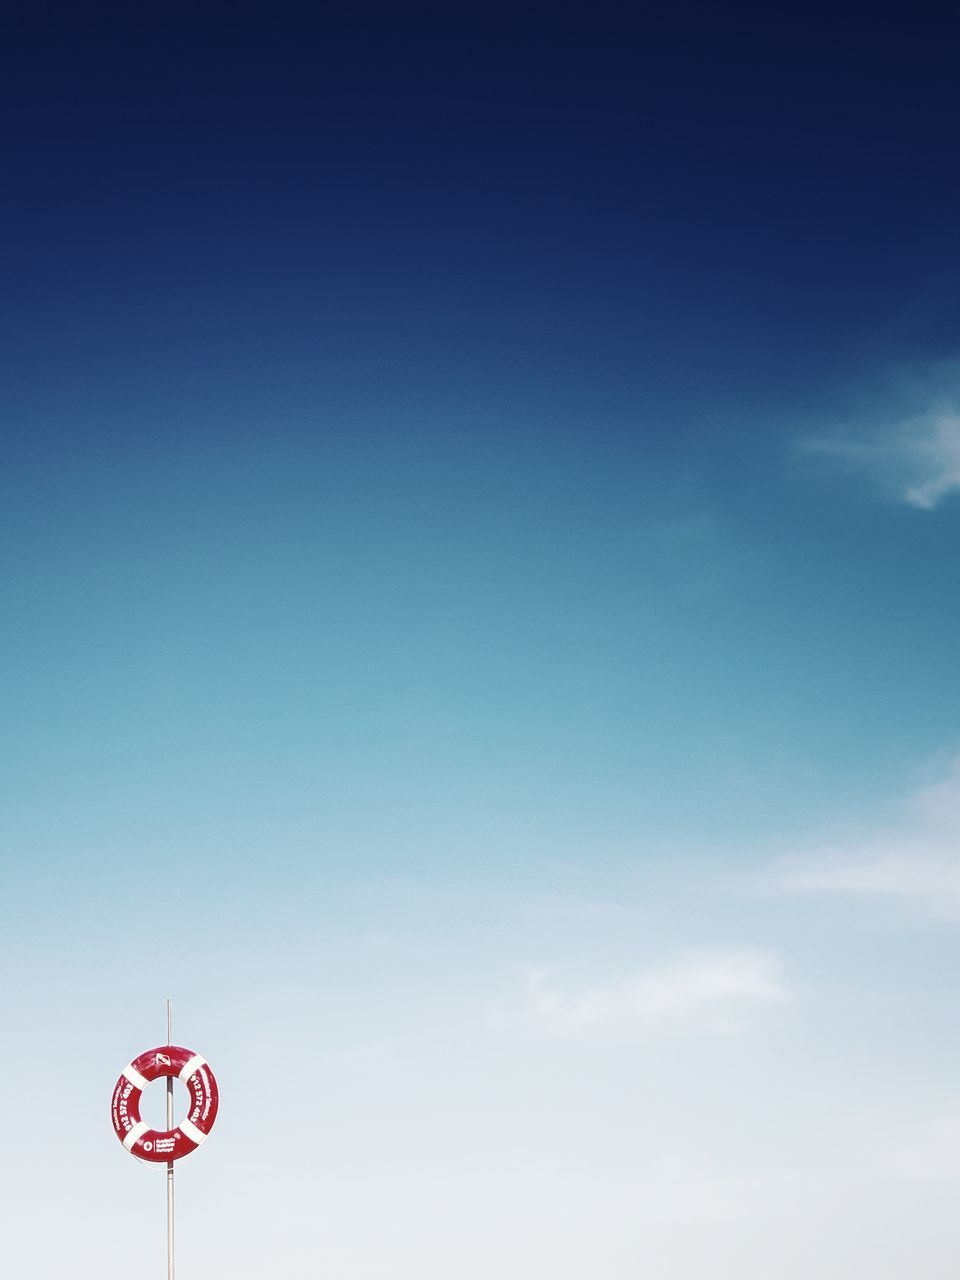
(422,391)
(418,397)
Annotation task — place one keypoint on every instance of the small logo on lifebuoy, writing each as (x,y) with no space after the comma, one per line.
(148,1146)
(162,1060)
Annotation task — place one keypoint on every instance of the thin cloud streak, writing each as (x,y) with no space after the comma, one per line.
(917,862)
(917,459)
(691,985)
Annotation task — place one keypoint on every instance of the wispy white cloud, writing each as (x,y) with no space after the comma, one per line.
(917,861)
(695,983)
(916,458)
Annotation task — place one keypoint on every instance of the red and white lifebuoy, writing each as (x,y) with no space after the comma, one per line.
(161,1146)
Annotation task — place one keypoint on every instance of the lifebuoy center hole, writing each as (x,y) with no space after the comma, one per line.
(153,1104)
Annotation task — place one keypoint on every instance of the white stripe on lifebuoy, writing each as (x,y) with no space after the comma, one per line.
(195,1063)
(135,1134)
(190,1130)
(133,1075)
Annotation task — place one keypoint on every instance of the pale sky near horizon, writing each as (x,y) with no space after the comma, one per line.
(479,517)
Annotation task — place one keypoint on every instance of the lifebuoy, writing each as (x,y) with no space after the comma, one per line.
(161,1146)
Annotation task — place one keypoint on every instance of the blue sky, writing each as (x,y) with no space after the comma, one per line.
(478,525)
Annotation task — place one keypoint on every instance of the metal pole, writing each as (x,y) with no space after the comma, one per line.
(169,1162)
